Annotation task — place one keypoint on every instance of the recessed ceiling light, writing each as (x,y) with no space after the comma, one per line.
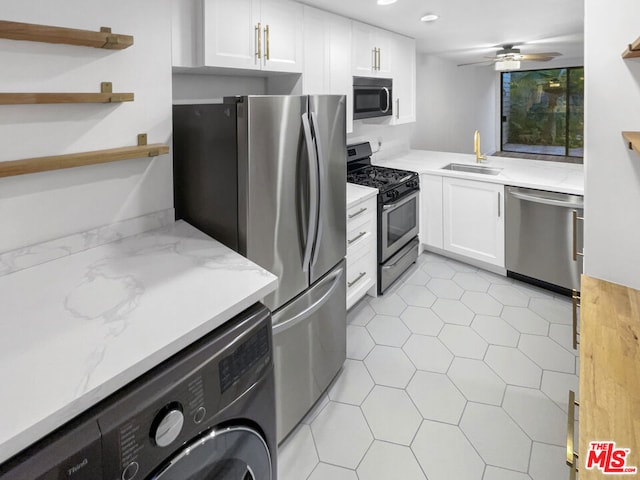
(386,2)
(429,17)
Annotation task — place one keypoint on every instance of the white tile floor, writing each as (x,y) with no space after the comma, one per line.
(456,373)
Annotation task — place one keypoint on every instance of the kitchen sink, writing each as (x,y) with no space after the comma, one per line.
(461,167)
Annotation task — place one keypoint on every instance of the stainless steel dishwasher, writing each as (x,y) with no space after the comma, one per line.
(544,237)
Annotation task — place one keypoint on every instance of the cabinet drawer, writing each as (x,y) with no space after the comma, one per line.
(360,277)
(359,234)
(358,211)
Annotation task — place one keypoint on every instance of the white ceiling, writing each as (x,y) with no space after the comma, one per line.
(467,30)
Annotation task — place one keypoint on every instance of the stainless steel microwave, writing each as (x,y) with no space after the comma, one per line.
(372,97)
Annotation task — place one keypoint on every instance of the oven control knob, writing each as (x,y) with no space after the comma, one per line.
(167,425)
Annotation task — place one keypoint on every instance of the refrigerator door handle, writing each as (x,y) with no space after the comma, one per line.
(321,185)
(327,286)
(313,192)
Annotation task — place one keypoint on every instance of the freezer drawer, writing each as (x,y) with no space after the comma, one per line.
(543,236)
(310,346)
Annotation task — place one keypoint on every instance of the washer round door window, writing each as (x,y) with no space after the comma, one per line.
(235,453)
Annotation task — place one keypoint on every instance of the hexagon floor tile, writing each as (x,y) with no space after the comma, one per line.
(359,342)
(445,453)
(386,330)
(389,366)
(428,353)
(453,311)
(463,341)
(547,353)
(422,321)
(297,456)
(436,397)
(497,438)
(513,366)
(386,460)
(352,385)
(482,303)
(341,435)
(477,381)
(525,321)
(324,471)
(527,406)
(495,330)
(508,404)
(391,415)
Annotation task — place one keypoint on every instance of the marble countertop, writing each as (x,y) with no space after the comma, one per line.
(542,175)
(76,329)
(358,193)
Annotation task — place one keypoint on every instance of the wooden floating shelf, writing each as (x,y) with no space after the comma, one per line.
(633,50)
(58,162)
(71,36)
(634,140)
(105,96)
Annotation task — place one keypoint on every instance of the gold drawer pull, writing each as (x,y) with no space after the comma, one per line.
(576,253)
(572,455)
(575,297)
(351,284)
(359,212)
(353,240)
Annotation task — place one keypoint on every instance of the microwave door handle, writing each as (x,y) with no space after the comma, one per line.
(386,90)
(321,183)
(313,192)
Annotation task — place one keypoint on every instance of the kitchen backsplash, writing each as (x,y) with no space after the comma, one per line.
(386,140)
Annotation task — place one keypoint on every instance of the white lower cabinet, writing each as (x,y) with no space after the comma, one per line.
(361,250)
(473,219)
(431,210)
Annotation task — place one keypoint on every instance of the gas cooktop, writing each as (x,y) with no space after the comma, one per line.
(378,177)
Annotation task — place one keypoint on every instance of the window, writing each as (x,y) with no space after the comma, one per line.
(543,111)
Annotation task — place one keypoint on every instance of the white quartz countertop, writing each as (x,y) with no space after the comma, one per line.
(359,193)
(76,329)
(542,175)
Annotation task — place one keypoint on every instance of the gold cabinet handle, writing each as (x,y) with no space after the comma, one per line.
(379,60)
(374,58)
(572,455)
(575,297)
(575,236)
(358,213)
(358,237)
(351,284)
(259,40)
(267,50)
(397,108)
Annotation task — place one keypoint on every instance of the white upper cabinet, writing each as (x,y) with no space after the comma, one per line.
(473,219)
(404,80)
(371,49)
(252,34)
(282,29)
(327,63)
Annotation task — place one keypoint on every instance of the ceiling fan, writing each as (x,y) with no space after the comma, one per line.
(508,58)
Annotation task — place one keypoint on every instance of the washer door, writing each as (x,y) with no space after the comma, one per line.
(234,453)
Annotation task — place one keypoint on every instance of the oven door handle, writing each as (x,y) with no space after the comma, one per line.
(391,206)
(388,99)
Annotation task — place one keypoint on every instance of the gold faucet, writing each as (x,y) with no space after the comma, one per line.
(476,147)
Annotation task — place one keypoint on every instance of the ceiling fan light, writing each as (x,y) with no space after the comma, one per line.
(386,2)
(506,65)
(429,17)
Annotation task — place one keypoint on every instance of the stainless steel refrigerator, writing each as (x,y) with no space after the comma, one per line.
(266,175)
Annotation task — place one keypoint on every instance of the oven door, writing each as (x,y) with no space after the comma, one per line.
(371,101)
(398,225)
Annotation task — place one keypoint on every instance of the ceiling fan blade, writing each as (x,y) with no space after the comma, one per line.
(541,55)
(487,62)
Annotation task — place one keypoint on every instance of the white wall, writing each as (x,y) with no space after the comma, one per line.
(203,88)
(612,97)
(49,205)
(452,102)
(394,139)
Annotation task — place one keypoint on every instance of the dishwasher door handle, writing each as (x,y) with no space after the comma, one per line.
(546,201)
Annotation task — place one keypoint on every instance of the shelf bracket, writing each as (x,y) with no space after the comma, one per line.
(142,139)
(106,87)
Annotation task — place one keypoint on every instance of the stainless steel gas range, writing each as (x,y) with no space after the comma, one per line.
(398,208)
